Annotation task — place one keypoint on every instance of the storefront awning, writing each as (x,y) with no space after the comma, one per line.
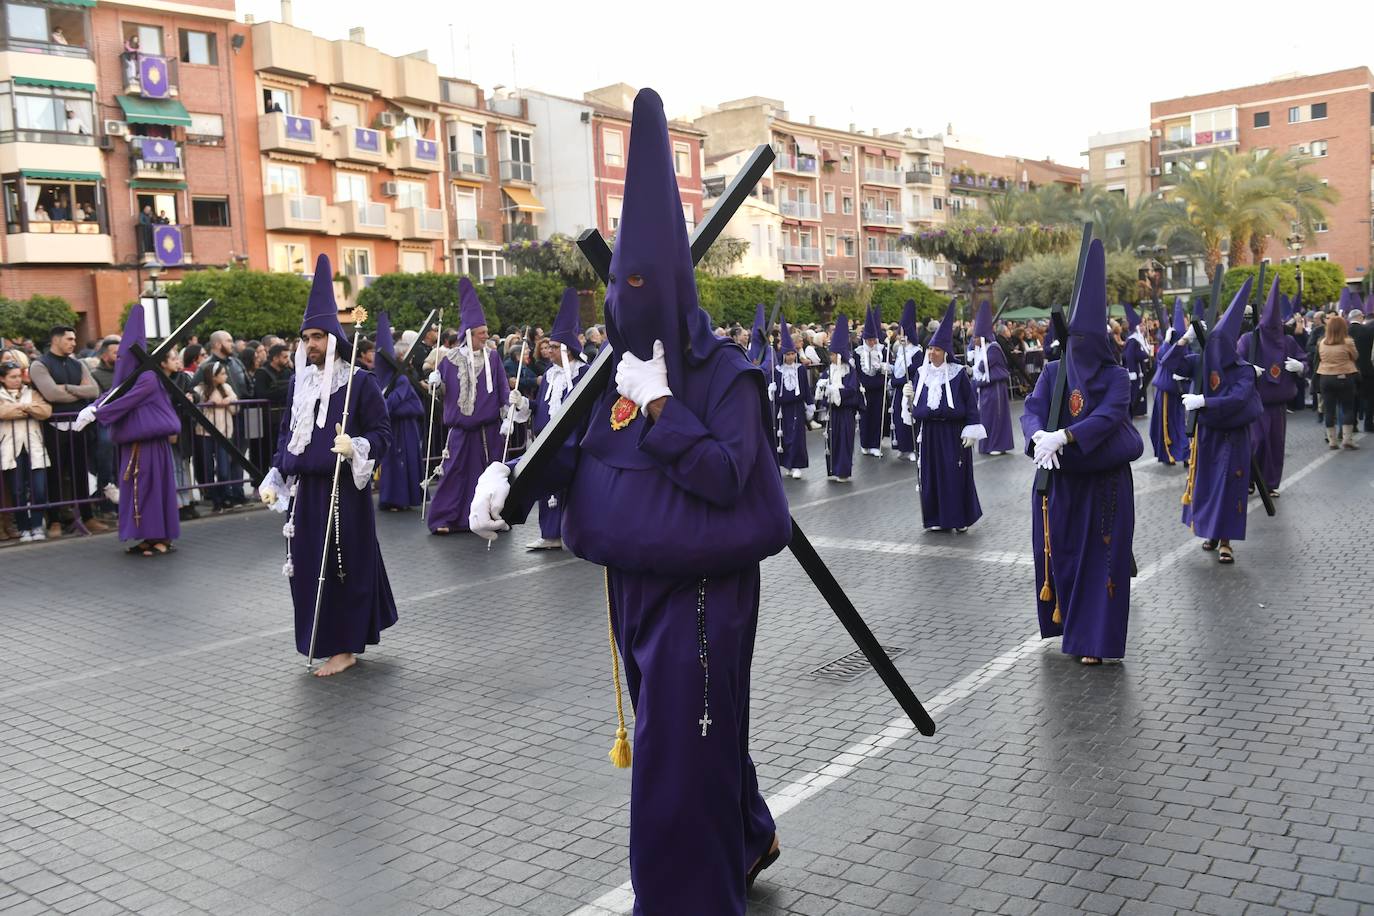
(524,200)
(53,84)
(144,184)
(40,175)
(154,111)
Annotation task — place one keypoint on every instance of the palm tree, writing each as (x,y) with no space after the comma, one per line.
(1204,205)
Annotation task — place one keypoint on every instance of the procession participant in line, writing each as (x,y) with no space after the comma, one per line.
(558,381)
(839,389)
(680,500)
(1136,358)
(356,604)
(1215,498)
(873,370)
(1084,525)
(945,410)
(1278,362)
(142,424)
(992,378)
(792,392)
(906,359)
(400,484)
(476,393)
(758,336)
(1168,433)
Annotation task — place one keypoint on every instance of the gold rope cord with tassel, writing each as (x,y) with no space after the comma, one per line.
(620,751)
(1192,471)
(132,469)
(1164,426)
(1045,592)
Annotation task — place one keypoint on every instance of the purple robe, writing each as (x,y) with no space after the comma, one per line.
(792,410)
(1168,432)
(357,607)
(1219,475)
(949,498)
(473,442)
(1133,359)
(904,433)
(141,423)
(651,489)
(839,427)
(1277,387)
(1090,508)
(874,386)
(994,403)
(550,506)
(400,478)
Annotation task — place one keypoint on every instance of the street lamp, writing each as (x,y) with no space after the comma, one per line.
(1154,274)
(1295,243)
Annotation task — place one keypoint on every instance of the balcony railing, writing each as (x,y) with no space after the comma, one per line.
(883,176)
(520,232)
(875,257)
(167,248)
(468,164)
(471,229)
(25,135)
(919,176)
(30,46)
(288,132)
(803,165)
(791,254)
(873,216)
(149,75)
(797,209)
(307,208)
(372,215)
(156,158)
(517,170)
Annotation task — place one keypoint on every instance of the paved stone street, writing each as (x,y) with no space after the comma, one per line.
(162,750)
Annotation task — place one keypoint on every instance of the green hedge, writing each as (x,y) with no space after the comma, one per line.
(248,303)
(1321,282)
(32,318)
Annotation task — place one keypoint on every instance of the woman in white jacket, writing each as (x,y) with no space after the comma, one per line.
(23,458)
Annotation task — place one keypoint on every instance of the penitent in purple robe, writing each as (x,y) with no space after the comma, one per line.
(551,506)
(792,405)
(358,605)
(1133,359)
(474,440)
(906,361)
(400,479)
(868,366)
(140,423)
(1090,508)
(949,498)
(994,402)
(1168,432)
(1269,348)
(840,427)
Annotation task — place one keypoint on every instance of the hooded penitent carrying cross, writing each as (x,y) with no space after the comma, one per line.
(944,409)
(400,476)
(906,360)
(873,369)
(758,336)
(1084,522)
(1168,434)
(793,394)
(1279,361)
(992,378)
(554,389)
(839,385)
(354,596)
(1135,358)
(476,390)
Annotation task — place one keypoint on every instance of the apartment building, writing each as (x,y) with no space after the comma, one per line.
(1120,162)
(923,170)
(973,176)
(756,221)
(1325,118)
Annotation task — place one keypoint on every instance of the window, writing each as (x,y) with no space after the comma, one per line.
(828,199)
(936,168)
(163,205)
(847,205)
(846,162)
(770,241)
(830,244)
(282,100)
(357,262)
(1320,226)
(1318,149)
(343,112)
(1318,111)
(149,38)
(682,159)
(350,186)
(1116,159)
(46,29)
(283,179)
(832,275)
(210,211)
(198,48)
(851,275)
(1260,152)
(58,111)
(937,203)
(289,257)
(613,148)
(1261,119)
(410,194)
(414,261)
(56,207)
(1294,115)
(206,130)
(520,147)
(613,208)
(482,265)
(849,246)
(411,127)
(690,216)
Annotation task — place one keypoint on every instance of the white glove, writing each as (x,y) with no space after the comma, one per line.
(1259,370)
(907,418)
(821,387)
(1048,446)
(507,426)
(268,495)
(1189,335)
(1169,336)
(434,379)
(835,395)
(488,499)
(518,400)
(1293,365)
(1193,401)
(1037,436)
(1132,376)
(772,390)
(343,445)
(968,441)
(1183,378)
(810,412)
(643,381)
(908,392)
(85,418)
(887,370)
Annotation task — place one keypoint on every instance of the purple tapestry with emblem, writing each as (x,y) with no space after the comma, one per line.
(167,244)
(152,77)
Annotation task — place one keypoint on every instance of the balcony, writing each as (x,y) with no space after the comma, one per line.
(800,165)
(281,48)
(418,155)
(967,181)
(883,176)
(919,176)
(59,243)
(359,144)
(516,170)
(278,132)
(156,159)
(468,164)
(164,244)
(520,232)
(875,216)
(51,48)
(797,209)
(294,212)
(362,217)
(63,137)
(472,230)
(876,257)
(421,223)
(790,254)
(150,76)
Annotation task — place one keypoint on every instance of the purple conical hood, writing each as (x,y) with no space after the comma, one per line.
(944,334)
(134,334)
(785,338)
(1132,317)
(1269,348)
(1180,317)
(1088,347)
(839,338)
(568,324)
(871,322)
(1285,306)
(1199,309)
(1221,340)
(652,294)
(1349,300)
(381,368)
(1297,304)
(982,322)
(1271,319)
(913,335)
(758,335)
(321,312)
(470,314)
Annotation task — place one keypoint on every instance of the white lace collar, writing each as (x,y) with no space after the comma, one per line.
(310,402)
(937,379)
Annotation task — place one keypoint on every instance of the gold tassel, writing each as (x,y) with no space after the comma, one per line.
(1192,471)
(1164,426)
(620,751)
(1045,593)
(1057,617)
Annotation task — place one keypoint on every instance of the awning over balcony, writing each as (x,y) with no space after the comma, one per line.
(169,112)
(78,3)
(147,184)
(40,175)
(53,84)
(524,200)
(807,146)
(414,111)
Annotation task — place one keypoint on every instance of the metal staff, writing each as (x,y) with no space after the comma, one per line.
(330,523)
(429,441)
(519,365)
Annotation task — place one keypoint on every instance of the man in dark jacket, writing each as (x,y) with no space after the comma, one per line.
(271,380)
(1362,333)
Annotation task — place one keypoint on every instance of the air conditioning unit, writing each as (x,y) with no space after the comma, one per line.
(1156,132)
(390,189)
(1154,171)
(107,142)
(116,129)
(387,119)
(586,117)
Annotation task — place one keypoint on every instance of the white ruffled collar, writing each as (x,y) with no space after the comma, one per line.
(937,379)
(314,387)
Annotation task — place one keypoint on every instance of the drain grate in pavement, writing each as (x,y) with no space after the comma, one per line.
(848,667)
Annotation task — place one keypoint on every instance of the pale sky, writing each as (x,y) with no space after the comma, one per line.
(1030,79)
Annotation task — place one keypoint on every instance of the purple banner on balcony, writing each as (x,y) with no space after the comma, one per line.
(369,141)
(300,129)
(157,149)
(167,246)
(427,149)
(152,77)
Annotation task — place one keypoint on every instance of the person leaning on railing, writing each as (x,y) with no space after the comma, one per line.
(66,384)
(23,458)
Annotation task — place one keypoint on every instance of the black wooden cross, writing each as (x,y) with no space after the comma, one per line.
(1061,335)
(406,366)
